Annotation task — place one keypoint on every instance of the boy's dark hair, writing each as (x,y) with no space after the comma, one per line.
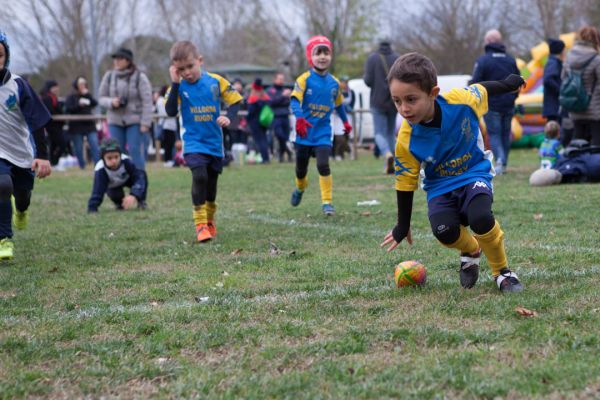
(182,49)
(414,68)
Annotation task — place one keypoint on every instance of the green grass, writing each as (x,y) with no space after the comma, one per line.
(105,305)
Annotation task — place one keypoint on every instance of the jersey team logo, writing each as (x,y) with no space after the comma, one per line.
(480,184)
(466,129)
(11,103)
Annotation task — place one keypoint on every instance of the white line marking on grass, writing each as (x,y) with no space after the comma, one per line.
(237,298)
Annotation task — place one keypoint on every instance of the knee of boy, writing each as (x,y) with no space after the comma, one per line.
(482,223)
(200,175)
(446,234)
(323,169)
(6,187)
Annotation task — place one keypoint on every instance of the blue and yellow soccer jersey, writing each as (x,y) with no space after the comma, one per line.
(453,155)
(200,106)
(318,96)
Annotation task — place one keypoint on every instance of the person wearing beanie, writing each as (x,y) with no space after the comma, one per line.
(316,94)
(552,80)
(257,100)
(126,93)
(113,172)
(81,102)
(495,65)
(23,116)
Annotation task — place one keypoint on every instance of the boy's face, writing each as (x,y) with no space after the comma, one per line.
(321,58)
(2,56)
(412,102)
(112,160)
(189,68)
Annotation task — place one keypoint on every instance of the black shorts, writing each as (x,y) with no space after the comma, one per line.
(195,160)
(22,178)
(458,200)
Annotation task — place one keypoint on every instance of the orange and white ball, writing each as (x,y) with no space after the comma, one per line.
(410,273)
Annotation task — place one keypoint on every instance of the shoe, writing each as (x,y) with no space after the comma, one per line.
(142,205)
(203,233)
(20,218)
(508,281)
(212,228)
(469,269)
(328,209)
(6,249)
(389,167)
(296,197)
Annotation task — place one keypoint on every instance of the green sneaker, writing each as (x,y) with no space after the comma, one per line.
(6,249)
(20,218)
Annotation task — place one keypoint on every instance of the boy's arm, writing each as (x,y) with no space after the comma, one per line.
(172,106)
(509,85)
(405,202)
(233,109)
(139,180)
(37,117)
(98,190)
(296,107)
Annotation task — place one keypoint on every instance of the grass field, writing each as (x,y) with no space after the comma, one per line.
(125,304)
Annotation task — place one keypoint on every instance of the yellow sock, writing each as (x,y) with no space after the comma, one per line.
(326,184)
(301,184)
(466,243)
(200,215)
(211,209)
(492,244)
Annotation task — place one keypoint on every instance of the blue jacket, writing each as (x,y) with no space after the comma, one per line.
(496,65)
(552,81)
(126,175)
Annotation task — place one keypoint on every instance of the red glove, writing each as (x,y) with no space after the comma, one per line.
(302,126)
(347,128)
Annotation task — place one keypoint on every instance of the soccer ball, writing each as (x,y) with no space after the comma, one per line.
(410,273)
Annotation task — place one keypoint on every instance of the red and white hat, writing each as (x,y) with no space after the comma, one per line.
(313,43)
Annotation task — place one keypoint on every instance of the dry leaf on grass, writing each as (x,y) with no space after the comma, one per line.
(525,312)
(236,252)
(538,217)
(366,213)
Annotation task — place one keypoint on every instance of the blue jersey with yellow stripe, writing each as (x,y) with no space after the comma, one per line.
(452,156)
(200,106)
(318,95)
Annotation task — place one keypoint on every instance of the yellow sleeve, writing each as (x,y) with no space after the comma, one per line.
(475,96)
(300,86)
(406,166)
(340,97)
(228,93)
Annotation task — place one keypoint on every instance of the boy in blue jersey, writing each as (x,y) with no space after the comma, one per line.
(23,149)
(197,95)
(440,133)
(113,172)
(551,147)
(315,95)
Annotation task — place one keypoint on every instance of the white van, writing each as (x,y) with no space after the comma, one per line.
(363,120)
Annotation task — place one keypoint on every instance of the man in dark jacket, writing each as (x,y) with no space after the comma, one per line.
(58,142)
(382,107)
(280,103)
(552,80)
(496,65)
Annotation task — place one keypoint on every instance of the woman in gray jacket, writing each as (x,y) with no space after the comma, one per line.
(586,50)
(126,93)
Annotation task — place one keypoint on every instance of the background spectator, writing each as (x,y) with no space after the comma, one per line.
(58,143)
(81,102)
(126,93)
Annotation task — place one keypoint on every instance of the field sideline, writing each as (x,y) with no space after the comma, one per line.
(287,303)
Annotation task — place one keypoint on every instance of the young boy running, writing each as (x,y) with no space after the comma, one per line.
(315,95)
(440,133)
(113,172)
(197,94)
(22,115)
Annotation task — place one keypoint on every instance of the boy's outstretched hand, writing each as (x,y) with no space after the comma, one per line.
(41,167)
(347,128)
(223,121)
(129,202)
(175,78)
(302,126)
(389,239)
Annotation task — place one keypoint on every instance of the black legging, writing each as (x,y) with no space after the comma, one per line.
(446,225)
(168,141)
(204,185)
(303,154)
